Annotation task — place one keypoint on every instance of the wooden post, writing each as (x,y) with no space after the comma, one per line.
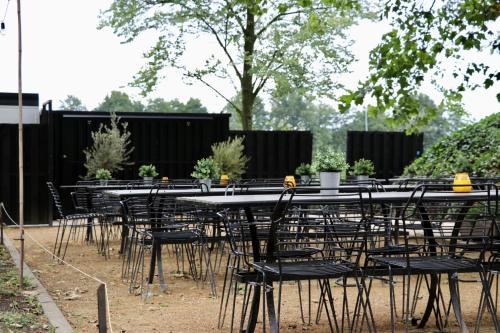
(20,137)
(1,223)
(102,309)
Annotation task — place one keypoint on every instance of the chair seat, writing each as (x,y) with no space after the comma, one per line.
(175,237)
(393,249)
(304,270)
(81,216)
(431,264)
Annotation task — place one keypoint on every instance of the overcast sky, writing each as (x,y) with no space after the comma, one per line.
(64,53)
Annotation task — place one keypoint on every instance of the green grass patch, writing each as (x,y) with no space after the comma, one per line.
(19,311)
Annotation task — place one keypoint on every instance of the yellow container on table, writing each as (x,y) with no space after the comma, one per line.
(224,179)
(164,179)
(462,179)
(289,182)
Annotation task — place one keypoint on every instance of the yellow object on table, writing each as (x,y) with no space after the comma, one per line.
(224,179)
(164,179)
(462,179)
(289,181)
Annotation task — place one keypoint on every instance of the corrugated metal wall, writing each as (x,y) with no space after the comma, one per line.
(36,203)
(172,142)
(391,152)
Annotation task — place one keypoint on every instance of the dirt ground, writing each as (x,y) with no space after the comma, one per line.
(186,306)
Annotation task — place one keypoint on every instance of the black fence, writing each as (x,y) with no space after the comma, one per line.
(275,154)
(171,142)
(36,202)
(391,152)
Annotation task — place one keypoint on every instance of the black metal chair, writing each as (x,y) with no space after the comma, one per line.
(158,221)
(311,242)
(453,238)
(75,222)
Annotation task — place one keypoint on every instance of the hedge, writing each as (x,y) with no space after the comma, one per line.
(478,144)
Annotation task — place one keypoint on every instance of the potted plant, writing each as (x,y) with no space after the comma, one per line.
(363,169)
(205,170)
(103,175)
(230,158)
(305,171)
(330,164)
(463,167)
(148,172)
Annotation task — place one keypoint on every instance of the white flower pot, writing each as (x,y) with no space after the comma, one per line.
(363,177)
(148,180)
(329,179)
(207,182)
(305,179)
(103,182)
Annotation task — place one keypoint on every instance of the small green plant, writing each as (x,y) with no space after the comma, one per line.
(330,161)
(363,167)
(110,149)
(147,170)
(229,157)
(206,168)
(103,174)
(304,169)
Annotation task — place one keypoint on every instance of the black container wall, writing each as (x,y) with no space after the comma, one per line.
(391,152)
(275,154)
(172,142)
(36,200)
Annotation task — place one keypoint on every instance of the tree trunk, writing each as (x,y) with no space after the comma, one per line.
(247,93)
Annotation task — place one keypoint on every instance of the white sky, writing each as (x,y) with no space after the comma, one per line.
(64,53)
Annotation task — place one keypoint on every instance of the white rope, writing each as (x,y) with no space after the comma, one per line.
(66,263)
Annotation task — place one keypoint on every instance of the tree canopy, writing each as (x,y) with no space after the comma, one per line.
(120,102)
(278,46)
(72,103)
(425,35)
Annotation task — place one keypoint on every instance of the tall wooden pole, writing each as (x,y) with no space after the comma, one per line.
(20,139)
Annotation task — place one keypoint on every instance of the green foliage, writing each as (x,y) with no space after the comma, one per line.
(330,161)
(425,34)
(148,170)
(110,149)
(363,167)
(103,174)
(206,168)
(474,148)
(72,103)
(193,105)
(229,157)
(304,169)
(20,312)
(119,101)
(279,46)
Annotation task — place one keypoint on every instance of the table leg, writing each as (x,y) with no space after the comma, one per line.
(254,307)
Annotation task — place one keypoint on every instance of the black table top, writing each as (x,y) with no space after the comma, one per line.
(376,197)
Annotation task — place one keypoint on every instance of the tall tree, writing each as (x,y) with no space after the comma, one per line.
(193,105)
(280,45)
(72,103)
(260,116)
(119,102)
(426,34)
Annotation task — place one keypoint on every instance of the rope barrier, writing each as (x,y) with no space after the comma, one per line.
(64,262)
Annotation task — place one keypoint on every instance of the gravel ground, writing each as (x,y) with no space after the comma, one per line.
(186,306)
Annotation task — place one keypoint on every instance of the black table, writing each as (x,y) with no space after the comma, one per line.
(248,201)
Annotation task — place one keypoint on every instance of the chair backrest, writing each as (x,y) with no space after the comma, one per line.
(337,230)
(460,225)
(56,199)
